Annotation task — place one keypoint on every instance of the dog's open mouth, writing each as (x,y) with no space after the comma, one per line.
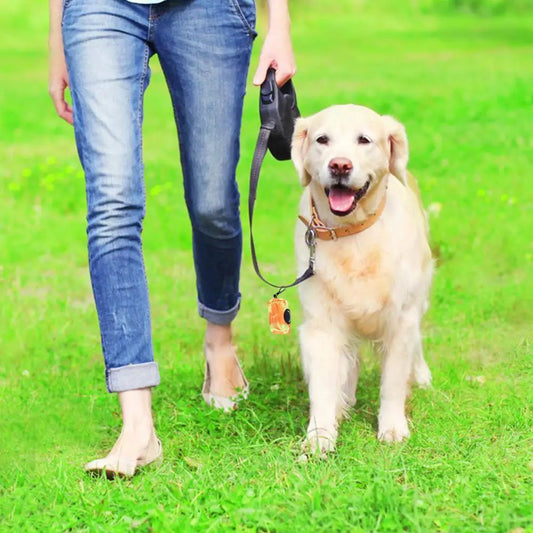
(343,200)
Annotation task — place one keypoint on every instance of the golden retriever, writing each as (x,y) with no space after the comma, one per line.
(372,276)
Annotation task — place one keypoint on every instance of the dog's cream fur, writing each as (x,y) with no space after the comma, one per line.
(371,285)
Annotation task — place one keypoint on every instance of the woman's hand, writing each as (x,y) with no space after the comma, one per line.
(277,47)
(57,67)
(58,83)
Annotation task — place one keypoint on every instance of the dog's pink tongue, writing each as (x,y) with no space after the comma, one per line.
(340,199)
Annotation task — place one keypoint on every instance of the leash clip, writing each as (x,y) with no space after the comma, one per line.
(310,240)
(281,289)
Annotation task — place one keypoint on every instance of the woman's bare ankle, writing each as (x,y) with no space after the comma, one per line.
(138,432)
(218,336)
(225,374)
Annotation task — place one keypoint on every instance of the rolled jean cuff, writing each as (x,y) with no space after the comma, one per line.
(222,318)
(130,377)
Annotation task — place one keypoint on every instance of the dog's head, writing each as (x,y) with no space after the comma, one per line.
(348,150)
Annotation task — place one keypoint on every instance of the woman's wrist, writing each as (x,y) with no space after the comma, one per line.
(55,15)
(278,16)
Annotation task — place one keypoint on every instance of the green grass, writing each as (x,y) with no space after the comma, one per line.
(462,86)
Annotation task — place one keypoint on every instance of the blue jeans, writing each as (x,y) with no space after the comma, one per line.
(204,49)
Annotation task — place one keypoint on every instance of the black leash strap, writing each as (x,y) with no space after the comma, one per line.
(310,237)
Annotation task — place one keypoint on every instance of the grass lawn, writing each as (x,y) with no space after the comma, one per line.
(462,85)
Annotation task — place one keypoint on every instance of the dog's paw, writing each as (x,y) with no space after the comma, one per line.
(393,429)
(318,443)
(422,375)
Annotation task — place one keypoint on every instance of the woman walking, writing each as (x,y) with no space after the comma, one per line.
(100,50)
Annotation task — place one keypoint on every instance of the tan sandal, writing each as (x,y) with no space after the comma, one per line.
(225,403)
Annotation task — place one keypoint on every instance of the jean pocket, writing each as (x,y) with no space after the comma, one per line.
(245,9)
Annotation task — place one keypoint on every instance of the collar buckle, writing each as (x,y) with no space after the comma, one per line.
(332,233)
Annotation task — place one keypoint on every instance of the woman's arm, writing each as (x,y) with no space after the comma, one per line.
(277,48)
(57,68)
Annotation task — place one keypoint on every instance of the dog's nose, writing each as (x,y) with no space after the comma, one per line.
(340,166)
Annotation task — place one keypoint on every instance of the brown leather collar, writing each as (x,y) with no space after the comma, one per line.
(332,234)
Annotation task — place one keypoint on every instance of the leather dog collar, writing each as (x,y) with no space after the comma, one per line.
(332,234)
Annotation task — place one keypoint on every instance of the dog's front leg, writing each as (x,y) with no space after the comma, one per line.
(397,364)
(421,374)
(325,362)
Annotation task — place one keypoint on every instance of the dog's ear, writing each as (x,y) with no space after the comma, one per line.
(299,147)
(399,149)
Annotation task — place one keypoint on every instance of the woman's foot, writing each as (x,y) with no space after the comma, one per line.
(125,463)
(137,444)
(224,381)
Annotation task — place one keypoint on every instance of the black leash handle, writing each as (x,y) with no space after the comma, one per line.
(257,161)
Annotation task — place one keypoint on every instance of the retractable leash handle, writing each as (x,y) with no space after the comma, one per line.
(278,111)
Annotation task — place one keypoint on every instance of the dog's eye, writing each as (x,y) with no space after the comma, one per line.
(323,139)
(364,139)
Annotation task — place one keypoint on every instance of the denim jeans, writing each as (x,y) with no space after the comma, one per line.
(204,49)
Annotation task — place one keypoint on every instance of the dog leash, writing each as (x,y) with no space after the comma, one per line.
(278,110)
(310,236)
